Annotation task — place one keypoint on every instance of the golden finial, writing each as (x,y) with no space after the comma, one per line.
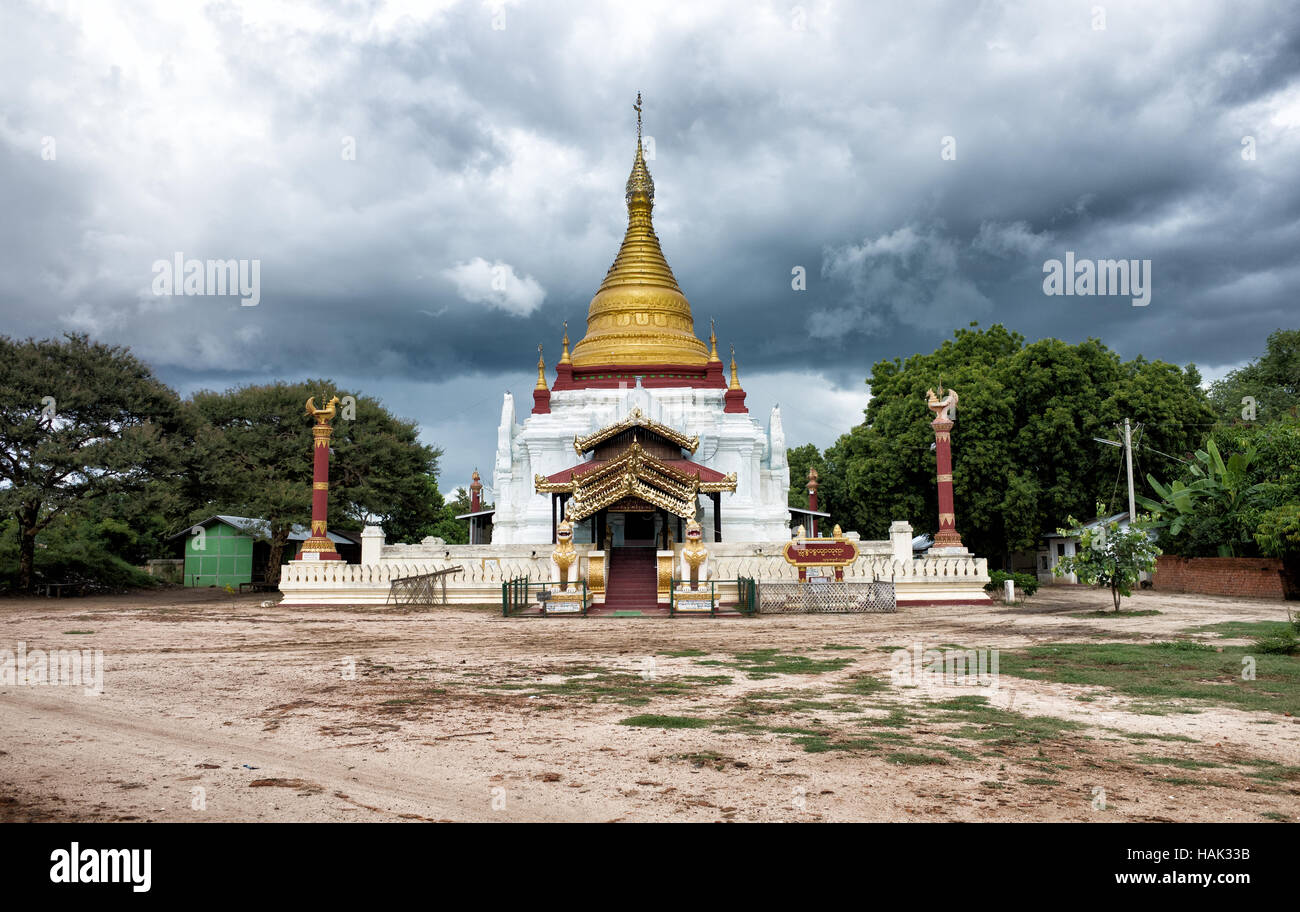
(541,370)
(564,355)
(713,342)
(735,379)
(639,182)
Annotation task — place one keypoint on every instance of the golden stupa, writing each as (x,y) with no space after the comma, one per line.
(639,315)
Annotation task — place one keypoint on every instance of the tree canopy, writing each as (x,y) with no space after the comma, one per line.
(1024,457)
(79,421)
(1271,380)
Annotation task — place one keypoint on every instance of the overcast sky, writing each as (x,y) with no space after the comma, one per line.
(921,161)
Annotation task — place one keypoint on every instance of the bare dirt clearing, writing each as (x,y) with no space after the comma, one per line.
(460,714)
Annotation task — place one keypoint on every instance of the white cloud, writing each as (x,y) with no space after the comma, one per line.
(496,285)
(1010,239)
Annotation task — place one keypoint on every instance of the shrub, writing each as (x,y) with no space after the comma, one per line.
(1287,642)
(1025,582)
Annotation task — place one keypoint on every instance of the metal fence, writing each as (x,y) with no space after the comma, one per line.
(746,603)
(747,590)
(520,596)
(423,591)
(825,597)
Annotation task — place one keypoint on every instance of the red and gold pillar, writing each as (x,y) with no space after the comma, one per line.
(945,410)
(812,497)
(319,546)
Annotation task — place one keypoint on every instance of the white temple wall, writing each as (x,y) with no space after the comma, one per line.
(485,567)
(737,442)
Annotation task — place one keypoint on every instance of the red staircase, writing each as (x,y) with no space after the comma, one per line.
(632,583)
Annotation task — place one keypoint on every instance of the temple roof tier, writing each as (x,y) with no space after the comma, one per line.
(635,419)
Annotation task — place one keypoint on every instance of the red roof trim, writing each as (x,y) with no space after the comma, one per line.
(653,376)
(682,465)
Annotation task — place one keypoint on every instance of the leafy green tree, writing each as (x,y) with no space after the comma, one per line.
(256,459)
(1272,380)
(1023,450)
(79,421)
(1278,535)
(1109,556)
(450,529)
(1278,532)
(801,459)
(73,549)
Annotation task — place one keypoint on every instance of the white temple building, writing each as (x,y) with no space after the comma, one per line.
(640,368)
(641,433)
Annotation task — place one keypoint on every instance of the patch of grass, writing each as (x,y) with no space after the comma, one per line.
(1241,630)
(1148,612)
(1275,815)
(1040,780)
(704,758)
(766,663)
(1186,763)
(864,684)
(1272,771)
(653,721)
(897,718)
(1180,780)
(817,744)
(1004,728)
(628,688)
(1151,736)
(77,632)
(794,730)
(1158,673)
(895,736)
(838,646)
(966,703)
(911,758)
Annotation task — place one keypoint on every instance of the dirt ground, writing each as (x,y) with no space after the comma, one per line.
(216,708)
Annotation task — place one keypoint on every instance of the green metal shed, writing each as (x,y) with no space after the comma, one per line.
(228,550)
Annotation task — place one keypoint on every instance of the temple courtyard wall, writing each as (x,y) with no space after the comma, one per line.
(931,579)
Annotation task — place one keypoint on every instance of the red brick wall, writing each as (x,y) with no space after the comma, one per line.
(1252,577)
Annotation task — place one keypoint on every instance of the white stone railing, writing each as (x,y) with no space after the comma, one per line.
(866,567)
(483,568)
(473,572)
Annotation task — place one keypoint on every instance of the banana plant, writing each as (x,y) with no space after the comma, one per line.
(1218,490)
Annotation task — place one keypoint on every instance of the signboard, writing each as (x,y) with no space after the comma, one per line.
(836,553)
(700,603)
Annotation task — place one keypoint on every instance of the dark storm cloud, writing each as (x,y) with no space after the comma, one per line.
(807,137)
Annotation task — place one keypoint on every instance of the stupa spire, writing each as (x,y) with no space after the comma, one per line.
(639,314)
(541,370)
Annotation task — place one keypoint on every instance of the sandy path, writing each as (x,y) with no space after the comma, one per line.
(199,686)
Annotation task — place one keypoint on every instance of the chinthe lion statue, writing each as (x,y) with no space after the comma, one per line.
(695,557)
(564,558)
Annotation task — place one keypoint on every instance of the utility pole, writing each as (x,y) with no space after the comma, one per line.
(1128,455)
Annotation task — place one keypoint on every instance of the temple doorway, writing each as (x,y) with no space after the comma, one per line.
(638,530)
